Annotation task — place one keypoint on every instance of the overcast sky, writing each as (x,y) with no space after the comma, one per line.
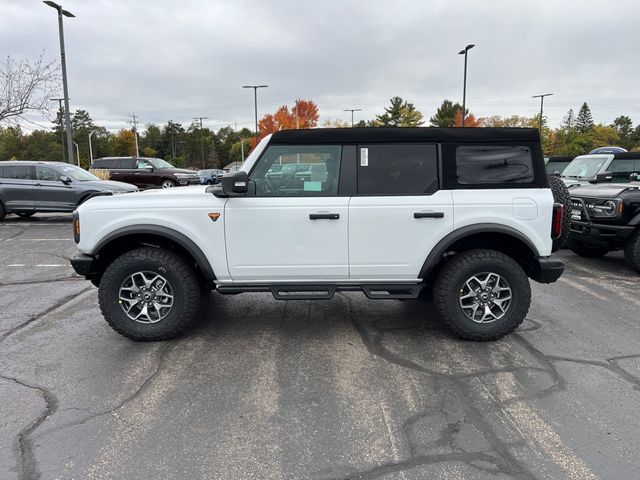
(184,58)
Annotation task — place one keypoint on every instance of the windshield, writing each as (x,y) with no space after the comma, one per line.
(77,173)
(159,163)
(584,167)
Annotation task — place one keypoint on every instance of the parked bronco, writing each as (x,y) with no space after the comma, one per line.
(464,214)
(606,218)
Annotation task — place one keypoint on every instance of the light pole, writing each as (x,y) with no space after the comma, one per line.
(255,103)
(60,100)
(541,97)
(90,148)
(67,117)
(464,86)
(77,152)
(352,110)
(201,138)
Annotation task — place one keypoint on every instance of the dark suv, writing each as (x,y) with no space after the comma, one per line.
(146,172)
(28,187)
(604,218)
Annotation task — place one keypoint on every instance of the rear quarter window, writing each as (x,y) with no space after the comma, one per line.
(102,163)
(17,172)
(493,164)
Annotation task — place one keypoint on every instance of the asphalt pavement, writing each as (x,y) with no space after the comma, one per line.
(342,389)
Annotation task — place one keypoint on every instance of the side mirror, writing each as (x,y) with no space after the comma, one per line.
(64,179)
(148,168)
(603,177)
(235,184)
(634,177)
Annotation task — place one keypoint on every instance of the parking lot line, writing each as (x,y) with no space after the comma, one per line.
(37,239)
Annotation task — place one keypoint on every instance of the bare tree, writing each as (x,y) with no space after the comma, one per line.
(27,86)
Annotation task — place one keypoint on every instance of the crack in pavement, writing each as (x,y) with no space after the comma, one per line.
(163,353)
(62,302)
(72,278)
(10,237)
(27,464)
(609,364)
(506,462)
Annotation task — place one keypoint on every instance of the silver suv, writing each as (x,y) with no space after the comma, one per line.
(28,187)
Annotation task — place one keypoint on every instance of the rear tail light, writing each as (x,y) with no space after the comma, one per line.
(556,222)
(76,227)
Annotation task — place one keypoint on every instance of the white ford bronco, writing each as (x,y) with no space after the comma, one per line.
(466,216)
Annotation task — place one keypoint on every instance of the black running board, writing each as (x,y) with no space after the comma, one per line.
(374,291)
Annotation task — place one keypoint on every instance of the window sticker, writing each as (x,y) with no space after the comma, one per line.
(312,186)
(364,157)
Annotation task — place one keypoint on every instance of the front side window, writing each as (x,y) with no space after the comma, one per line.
(16,172)
(397,169)
(46,174)
(142,164)
(622,168)
(492,164)
(298,170)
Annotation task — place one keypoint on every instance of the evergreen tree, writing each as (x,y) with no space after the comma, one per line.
(446,114)
(569,120)
(584,120)
(624,126)
(400,114)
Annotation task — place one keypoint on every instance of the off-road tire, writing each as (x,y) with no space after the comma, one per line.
(632,250)
(451,280)
(561,195)
(586,250)
(181,276)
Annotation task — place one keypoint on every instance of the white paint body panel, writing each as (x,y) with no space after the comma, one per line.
(527,210)
(385,241)
(273,239)
(183,209)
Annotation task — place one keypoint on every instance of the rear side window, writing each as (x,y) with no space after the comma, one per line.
(493,164)
(124,163)
(16,172)
(397,169)
(102,163)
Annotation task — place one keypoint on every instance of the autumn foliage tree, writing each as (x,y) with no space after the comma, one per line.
(469,121)
(303,114)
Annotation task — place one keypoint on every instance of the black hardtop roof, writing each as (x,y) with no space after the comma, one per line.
(419,134)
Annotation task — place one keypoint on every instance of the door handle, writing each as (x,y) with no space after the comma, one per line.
(324,216)
(428,214)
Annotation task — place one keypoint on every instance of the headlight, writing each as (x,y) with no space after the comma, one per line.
(604,208)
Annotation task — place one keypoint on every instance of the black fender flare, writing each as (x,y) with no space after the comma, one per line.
(166,232)
(445,243)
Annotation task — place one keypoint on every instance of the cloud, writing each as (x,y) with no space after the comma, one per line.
(176,60)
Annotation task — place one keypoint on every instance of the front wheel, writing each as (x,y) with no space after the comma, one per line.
(632,251)
(167,184)
(149,294)
(482,294)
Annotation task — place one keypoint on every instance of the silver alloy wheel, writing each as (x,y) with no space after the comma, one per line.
(485,297)
(167,184)
(146,297)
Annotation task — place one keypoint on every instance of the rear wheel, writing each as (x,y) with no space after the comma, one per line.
(167,184)
(632,251)
(149,294)
(586,250)
(561,195)
(482,294)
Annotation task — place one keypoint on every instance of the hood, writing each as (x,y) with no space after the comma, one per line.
(163,192)
(109,186)
(610,190)
(180,170)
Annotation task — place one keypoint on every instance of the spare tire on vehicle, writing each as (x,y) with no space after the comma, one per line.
(561,195)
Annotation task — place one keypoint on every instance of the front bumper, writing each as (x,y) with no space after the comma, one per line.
(546,269)
(84,265)
(188,181)
(599,233)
